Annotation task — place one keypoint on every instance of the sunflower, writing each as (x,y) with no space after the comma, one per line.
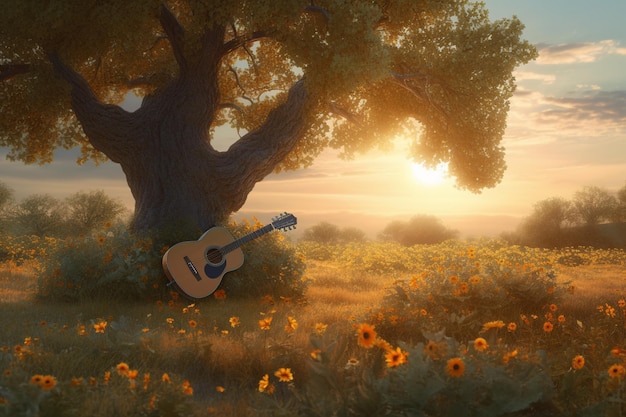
(36,379)
(122,368)
(617,371)
(497,324)
(455,367)
(578,362)
(48,382)
(367,335)
(265,323)
(395,357)
(548,327)
(284,374)
(511,327)
(234,321)
(481,344)
(265,385)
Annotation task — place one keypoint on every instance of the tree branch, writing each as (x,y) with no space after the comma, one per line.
(175,34)
(8,71)
(107,126)
(257,153)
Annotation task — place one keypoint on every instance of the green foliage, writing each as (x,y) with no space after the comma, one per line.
(329,234)
(112,264)
(272,266)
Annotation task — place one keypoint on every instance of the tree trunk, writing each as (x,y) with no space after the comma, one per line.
(178,180)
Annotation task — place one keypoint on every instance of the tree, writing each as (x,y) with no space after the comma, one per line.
(38,214)
(621,208)
(292,78)
(593,205)
(330,234)
(421,229)
(87,211)
(6,196)
(544,227)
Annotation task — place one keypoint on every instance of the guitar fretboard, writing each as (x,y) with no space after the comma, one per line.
(245,239)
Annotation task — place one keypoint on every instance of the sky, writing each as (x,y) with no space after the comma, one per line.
(566,129)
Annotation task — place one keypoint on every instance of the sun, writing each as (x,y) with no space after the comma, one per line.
(428,176)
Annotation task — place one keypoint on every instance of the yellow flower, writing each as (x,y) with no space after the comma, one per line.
(497,324)
(511,327)
(48,382)
(193,324)
(219,295)
(481,344)
(455,367)
(122,368)
(265,385)
(292,324)
(395,357)
(367,335)
(284,374)
(99,327)
(165,378)
(187,389)
(265,323)
(617,371)
(548,327)
(36,379)
(578,362)
(553,307)
(234,322)
(320,328)
(219,388)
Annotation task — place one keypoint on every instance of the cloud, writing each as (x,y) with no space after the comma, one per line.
(606,107)
(572,53)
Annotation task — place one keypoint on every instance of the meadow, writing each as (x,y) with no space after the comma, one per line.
(475,328)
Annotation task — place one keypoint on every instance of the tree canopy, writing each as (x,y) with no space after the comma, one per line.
(358,75)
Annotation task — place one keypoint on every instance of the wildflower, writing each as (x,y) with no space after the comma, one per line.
(621,303)
(548,327)
(497,324)
(284,374)
(578,362)
(219,295)
(435,351)
(553,307)
(292,324)
(193,324)
(265,323)
(617,371)
(169,320)
(107,377)
(481,344)
(234,322)
(146,381)
(122,368)
(100,326)
(166,378)
(316,354)
(511,327)
(453,279)
(48,382)
(455,367)
(187,389)
(320,328)
(36,379)
(76,382)
(508,356)
(367,335)
(265,385)
(423,312)
(132,374)
(395,357)
(220,389)
(561,318)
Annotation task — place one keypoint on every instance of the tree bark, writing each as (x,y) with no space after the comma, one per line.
(177,178)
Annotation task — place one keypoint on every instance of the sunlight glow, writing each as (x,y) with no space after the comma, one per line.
(428,176)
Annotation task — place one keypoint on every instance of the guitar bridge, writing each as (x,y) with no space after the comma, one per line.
(192,268)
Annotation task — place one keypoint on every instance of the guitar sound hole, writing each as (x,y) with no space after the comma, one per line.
(214,256)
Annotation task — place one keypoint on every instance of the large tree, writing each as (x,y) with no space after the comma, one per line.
(292,77)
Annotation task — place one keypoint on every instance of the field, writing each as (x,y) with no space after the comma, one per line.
(460,328)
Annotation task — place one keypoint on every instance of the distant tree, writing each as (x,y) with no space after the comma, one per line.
(330,234)
(6,196)
(87,211)
(545,226)
(593,205)
(38,214)
(421,229)
(621,207)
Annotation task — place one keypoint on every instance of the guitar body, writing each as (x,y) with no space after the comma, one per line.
(197,267)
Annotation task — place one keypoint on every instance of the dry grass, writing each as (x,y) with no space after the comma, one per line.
(593,285)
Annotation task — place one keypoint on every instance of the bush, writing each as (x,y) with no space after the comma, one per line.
(112,264)
(272,266)
(115,264)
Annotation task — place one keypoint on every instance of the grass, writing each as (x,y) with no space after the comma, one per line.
(199,347)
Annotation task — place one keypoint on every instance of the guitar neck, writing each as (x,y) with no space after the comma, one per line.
(245,239)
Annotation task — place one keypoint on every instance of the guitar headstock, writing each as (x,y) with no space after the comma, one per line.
(284,221)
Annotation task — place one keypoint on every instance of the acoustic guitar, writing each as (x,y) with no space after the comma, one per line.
(197,267)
